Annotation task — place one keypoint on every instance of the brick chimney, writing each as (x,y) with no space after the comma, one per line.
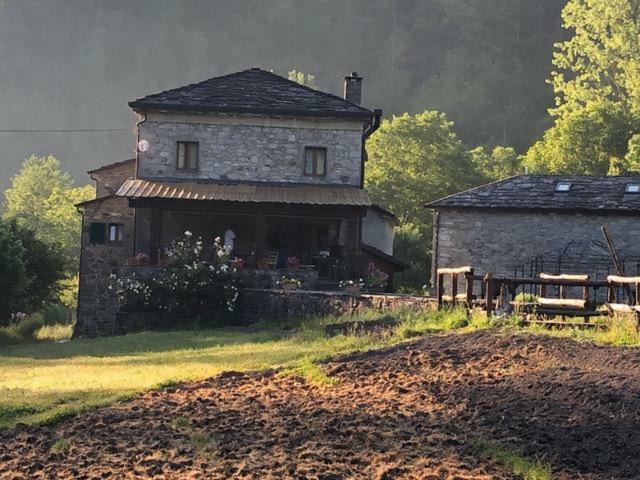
(353,88)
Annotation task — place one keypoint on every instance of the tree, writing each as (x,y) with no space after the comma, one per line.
(414,159)
(30,270)
(592,140)
(303,78)
(42,197)
(602,58)
(501,163)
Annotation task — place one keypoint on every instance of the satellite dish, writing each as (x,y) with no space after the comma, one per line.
(143,145)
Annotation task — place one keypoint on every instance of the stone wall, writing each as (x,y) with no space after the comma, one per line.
(110,179)
(251,148)
(498,241)
(96,306)
(278,304)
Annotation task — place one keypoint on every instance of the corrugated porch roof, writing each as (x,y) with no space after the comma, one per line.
(254,193)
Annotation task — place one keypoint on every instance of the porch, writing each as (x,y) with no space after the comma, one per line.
(268,237)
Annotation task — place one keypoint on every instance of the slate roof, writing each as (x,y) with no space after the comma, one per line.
(252,91)
(293,194)
(112,165)
(537,192)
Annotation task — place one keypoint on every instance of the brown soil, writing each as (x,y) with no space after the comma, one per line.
(409,412)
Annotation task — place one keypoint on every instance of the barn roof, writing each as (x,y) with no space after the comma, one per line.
(542,192)
(252,91)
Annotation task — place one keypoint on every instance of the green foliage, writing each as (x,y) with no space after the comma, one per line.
(42,198)
(601,60)
(592,140)
(501,163)
(415,159)
(60,446)
(302,78)
(29,271)
(519,465)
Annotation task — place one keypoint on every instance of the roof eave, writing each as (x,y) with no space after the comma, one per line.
(293,112)
(592,211)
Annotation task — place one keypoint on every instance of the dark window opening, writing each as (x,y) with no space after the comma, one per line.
(97,232)
(116,232)
(315,161)
(187,158)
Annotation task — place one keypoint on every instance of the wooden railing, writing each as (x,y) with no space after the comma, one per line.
(482,291)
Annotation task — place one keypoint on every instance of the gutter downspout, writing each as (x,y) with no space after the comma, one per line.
(377,117)
(76,333)
(135,211)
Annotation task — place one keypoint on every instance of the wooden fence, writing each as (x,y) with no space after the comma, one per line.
(546,297)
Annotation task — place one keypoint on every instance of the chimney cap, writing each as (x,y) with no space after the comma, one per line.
(353,76)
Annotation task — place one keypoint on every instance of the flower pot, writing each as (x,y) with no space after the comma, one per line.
(352,290)
(289,286)
(263,264)
(292,268)
(237,264)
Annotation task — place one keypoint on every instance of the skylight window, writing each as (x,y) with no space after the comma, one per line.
(633,188)
(563,186)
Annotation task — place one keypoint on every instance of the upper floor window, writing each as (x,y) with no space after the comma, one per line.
(633,188)
(187,156)
(563,186)
(315,161)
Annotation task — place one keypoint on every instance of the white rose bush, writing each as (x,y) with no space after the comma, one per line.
(189,287)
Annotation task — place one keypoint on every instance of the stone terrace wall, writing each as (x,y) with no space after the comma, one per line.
(279,304)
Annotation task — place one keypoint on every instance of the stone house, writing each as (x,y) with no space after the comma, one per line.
(280,162)
(530,224)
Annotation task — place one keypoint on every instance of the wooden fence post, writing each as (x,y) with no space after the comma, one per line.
(439,289)
(489,293)
(454,287)
(469,291)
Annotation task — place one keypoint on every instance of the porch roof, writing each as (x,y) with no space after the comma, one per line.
(249,193)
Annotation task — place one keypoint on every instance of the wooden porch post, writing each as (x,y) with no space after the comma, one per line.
(156,233)
(261,231)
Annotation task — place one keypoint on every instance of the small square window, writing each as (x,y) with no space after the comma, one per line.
(116,232)
(633,188)
(315,161)
(563,187)
(187,156)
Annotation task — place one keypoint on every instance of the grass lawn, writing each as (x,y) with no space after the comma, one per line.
(43,382)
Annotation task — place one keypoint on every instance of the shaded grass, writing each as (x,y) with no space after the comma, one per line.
(519,465)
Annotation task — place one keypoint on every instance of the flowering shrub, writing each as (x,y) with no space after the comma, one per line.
(188,287)
(352,283)
(293,262)
(376,279)
(284,281)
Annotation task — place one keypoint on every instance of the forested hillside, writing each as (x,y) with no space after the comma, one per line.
(74,64)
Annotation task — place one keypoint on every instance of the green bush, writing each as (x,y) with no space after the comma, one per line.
(55,314)
(30,271)
(28,328)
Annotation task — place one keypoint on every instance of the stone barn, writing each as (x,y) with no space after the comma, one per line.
(528,224)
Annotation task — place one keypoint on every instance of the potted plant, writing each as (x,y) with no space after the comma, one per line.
(140,259)
(263,264)
(293,263)
(288,283)
(352,287)
(237,263)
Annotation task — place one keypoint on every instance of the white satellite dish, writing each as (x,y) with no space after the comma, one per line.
(143,145)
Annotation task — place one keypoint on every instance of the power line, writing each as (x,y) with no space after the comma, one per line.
(62,130)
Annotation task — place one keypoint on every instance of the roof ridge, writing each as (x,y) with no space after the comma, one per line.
(468,190)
